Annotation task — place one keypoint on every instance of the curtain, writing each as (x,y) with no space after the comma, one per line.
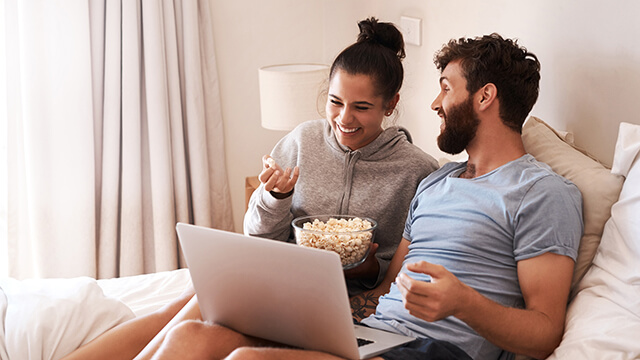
(114,134)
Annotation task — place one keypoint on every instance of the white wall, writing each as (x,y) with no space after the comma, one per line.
(249,34)
(589,50)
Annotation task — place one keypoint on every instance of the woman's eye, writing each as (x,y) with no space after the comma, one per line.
(362,108)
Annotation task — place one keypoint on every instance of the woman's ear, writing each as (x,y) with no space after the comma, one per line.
(392,104)
(487,94)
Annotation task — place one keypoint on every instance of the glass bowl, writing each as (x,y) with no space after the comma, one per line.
(349,236)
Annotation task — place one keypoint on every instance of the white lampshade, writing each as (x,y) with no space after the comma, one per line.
(290,94)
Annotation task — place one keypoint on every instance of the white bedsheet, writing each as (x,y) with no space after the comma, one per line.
(145,293)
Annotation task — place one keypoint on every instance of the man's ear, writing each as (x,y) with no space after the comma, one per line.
(487,95)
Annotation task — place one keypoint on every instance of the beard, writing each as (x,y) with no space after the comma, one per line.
(461,124)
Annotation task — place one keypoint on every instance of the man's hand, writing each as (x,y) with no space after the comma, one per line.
(435,300)
(535,330)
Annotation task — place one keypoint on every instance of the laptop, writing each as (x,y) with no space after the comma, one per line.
(277,291)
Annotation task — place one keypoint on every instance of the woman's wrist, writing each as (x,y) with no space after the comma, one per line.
(281,196)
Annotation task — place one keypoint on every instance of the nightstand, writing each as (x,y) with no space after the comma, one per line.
(250,184)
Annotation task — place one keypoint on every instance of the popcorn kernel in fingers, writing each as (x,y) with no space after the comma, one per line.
(271,162)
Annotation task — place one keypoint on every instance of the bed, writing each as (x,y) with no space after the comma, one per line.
(45,319)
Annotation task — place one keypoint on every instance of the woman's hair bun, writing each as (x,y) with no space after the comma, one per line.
(383,33)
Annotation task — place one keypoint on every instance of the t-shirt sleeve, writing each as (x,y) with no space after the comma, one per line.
(549,219)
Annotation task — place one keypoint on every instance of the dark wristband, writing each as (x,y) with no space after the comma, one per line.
(281,196)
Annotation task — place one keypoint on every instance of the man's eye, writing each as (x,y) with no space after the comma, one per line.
(336,102)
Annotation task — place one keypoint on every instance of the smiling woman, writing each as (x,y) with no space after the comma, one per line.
(350,163)
(354,110)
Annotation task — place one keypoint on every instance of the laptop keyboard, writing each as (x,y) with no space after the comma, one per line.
(363,342)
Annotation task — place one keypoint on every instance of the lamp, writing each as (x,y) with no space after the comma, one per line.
(289,94)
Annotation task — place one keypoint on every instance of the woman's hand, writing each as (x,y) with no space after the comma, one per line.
(275,179)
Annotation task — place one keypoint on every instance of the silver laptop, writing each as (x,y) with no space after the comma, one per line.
(277,291)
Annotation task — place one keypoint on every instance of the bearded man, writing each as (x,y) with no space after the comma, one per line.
(489,244)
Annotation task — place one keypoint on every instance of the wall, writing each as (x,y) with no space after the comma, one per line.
(588,49)
(249,34)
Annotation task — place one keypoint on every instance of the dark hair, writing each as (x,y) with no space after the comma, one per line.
(378,53)
(491,59)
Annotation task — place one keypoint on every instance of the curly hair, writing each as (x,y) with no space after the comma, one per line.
(492,59)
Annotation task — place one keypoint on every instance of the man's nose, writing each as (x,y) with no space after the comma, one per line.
(435,105)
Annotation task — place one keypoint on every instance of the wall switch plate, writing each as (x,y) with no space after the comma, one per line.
(411,30)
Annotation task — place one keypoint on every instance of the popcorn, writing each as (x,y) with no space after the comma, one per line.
(344,236)
(271,162)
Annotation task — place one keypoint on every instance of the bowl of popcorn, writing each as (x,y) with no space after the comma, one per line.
(349,236)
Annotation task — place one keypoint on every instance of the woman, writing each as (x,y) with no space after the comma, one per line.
(349,164)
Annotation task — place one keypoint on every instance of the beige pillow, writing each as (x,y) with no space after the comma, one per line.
(600,189)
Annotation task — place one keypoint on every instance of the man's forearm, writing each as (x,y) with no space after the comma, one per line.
(363,305)
(521,331)
(535,331)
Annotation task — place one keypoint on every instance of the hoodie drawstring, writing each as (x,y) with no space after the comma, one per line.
(349,163)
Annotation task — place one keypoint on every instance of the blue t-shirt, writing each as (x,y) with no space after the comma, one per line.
(478,229)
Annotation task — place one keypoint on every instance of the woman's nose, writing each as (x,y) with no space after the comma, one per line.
(346,115)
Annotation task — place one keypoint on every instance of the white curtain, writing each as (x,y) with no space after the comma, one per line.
(114,134)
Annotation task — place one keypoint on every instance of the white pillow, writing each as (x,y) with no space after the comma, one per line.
(619,252)
(49,318)
(599,188)
(603,320)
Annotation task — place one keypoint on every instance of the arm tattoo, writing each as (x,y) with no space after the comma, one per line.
(363,305)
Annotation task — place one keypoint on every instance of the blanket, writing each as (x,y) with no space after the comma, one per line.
(49,319)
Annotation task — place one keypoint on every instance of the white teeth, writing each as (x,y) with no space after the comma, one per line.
(347,130)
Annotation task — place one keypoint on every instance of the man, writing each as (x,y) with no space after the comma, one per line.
(489,244)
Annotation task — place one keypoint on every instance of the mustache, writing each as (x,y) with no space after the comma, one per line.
(442,113)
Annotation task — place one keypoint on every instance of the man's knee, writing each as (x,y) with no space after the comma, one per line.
(246,353)
(186,341)
(189,331)
(199,340)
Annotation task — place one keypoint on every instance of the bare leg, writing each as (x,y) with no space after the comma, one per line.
(194,339)
(266,353)
(129,338)
(191,311)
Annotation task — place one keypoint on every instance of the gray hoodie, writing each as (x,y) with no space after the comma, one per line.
(376,181)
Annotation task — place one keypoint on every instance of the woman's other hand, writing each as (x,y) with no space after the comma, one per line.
(368,269)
